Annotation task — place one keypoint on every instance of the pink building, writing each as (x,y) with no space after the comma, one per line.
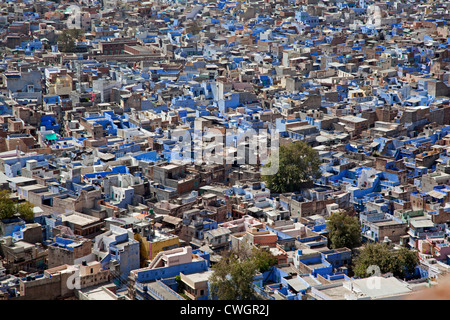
(254,237)
(437,248)
(243,224)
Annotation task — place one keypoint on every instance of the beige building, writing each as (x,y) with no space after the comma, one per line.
(83,224)
(196,284)
(21,255)
(62,85)
(91,274)
(373,288)
(63,281)
(353,124)
(67,252)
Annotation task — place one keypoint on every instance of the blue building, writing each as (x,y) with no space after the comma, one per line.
(305,18)
(118,251)
(166,265)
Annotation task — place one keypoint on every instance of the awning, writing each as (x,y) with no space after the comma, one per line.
(436,194)
(322,139)
(51,136)
(172,220)
(297,284)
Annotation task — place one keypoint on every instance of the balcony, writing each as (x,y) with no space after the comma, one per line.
(430,235)
(426,235)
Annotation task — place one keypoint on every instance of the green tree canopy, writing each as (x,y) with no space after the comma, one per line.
(232,279)
(10,209)
(263,259)
(399,262)
(343,230)
(195,28)
(406,258)
(66,40)
(233,275)
(298,163)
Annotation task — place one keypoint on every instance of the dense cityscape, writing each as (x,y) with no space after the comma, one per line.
(224,150)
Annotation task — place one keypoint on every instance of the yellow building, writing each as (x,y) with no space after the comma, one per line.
(162,241)
(143,247)
(153,244)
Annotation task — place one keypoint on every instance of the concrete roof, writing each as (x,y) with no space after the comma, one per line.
(168,295)
(219,231)
(297,284)
(436,194)
(335,292)
(20,179)
(386,287)
(199,276)
(33,187)
(387,223)
(353,119)
(80,219)
(309,280)
(98,293)
(171,219)
(422,223)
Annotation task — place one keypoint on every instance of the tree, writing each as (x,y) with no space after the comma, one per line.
(66,43)
(232,279)
(195,28)
(405,262)
(66,40)
(11,209)
(399,262)
(372,255)
(233,275)
(343,230)
(263,259)
(7,208)
(180,283)
(25,210)
(298,164)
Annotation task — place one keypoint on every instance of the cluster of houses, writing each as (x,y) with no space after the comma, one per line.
(97,136)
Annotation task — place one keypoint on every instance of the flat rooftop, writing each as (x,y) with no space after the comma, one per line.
(20,179)
(421,223)
(170,167)
(318,265)
(389,287)
(98,293)
(336,293)
(353,119)
(80,219)
(199,277)
(309,280)
(33,187)
(297,284)
(387,223)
